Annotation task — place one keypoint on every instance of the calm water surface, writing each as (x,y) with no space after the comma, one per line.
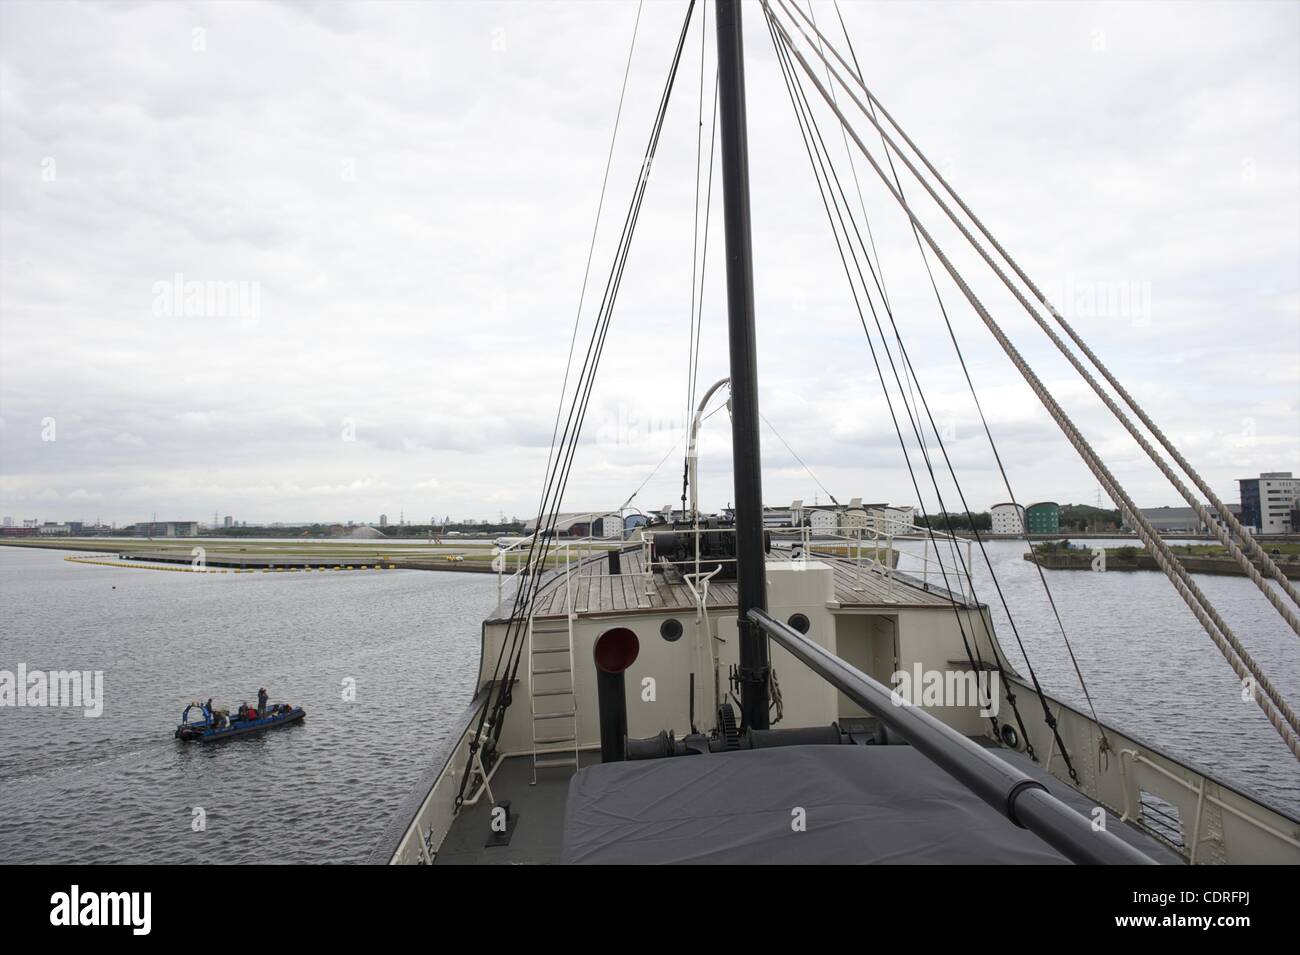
(1150,667)
(120,789)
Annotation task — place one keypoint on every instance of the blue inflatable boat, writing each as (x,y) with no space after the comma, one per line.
(208,726)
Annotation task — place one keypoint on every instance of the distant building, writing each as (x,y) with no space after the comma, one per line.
(1234,509)
(608,526)
(821,519)
(1173,520)
(383,520)
(167,529)
(1267,502)
(891,520)
(9,522)
(853,518)
(229,522)
(1043,518)
(1008,519)
(776,517)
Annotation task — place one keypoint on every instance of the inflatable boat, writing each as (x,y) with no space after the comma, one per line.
(208,726)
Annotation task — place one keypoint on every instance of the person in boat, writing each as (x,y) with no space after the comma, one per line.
(211,713)
(261,701)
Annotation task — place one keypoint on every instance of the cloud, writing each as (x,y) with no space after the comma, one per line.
(407,192)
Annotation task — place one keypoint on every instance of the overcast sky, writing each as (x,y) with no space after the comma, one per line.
(406,193)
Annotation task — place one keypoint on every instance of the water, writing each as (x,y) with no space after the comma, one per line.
(120,789)
(1150,667)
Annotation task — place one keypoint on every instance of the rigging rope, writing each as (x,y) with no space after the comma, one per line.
(1257,552)
(816,480)
(1261,690)
(506,668)
(804,118)
(1224,538)
(595,350)
(988,433)
(595,229)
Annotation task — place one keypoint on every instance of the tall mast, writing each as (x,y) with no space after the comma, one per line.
(750,558)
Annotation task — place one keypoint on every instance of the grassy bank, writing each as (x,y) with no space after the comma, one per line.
(437,556)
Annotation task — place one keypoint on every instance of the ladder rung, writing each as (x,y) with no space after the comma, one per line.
(562,715)
(546,740)
(550,649)
(563,629)
(543,670)
(566,691)
(551,763)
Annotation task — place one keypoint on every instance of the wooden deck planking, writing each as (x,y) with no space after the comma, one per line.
(602,593)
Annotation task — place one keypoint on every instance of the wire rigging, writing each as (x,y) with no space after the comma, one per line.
(997,457)
(805,121)
(1265,695)
(506,667)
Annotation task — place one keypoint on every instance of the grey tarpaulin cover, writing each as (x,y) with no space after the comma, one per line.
(863,804)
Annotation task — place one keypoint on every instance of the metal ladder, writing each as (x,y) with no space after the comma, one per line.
(555,730)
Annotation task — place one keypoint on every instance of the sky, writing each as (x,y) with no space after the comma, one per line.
(389,208)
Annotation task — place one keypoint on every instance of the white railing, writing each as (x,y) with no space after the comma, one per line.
(519,553)
(866,545)
(869,546)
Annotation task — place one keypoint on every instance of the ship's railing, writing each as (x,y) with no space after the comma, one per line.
(944,558)
(513,557)
(416,831)
(1202,818)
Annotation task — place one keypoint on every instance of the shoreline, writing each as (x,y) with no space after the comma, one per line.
(1221,566)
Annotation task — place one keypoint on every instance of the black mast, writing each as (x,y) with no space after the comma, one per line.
(750,558)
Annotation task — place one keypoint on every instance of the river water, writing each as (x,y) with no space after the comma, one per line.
(118,788)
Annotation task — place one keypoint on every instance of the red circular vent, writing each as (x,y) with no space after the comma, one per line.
(616,650)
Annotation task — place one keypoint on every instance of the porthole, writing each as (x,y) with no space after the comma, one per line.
(1010,736)
(671,630)
(800,622)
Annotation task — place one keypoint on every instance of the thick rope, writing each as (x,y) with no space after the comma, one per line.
(1224,538)
(1262,691)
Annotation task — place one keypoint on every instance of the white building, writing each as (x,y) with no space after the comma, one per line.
(1269,501)
(1008,519)
(892,520)
(853,518)
(822,520)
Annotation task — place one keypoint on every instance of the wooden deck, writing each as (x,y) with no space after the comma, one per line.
(592,590)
